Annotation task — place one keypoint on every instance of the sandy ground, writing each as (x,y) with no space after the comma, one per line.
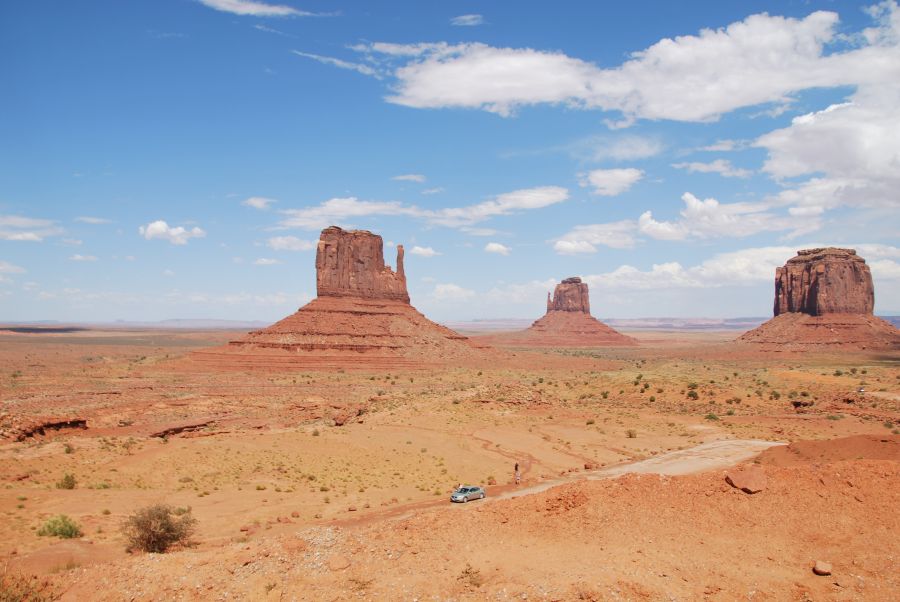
(291,474)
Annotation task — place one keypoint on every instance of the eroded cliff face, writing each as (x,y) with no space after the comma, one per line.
(825,281)
(570,295)
(350,263)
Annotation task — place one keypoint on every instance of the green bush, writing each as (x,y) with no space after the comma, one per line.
(156,528)
(67,482)
(711,416)
(61,526)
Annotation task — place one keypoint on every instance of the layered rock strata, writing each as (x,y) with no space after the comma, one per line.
(825,281)
(361,318)
(824,298)
(567,323)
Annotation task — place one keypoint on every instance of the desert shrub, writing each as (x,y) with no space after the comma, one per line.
(156,528)
(67,482)
(693,394)
(471,576)
(631,434)
(711,416)
(18,587)
(653,398)
(692,386)
(590,421)
(60,526)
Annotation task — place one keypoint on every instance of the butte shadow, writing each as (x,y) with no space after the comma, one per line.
(824,299)
(360,319)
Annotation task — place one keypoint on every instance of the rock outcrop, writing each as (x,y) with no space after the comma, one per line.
(360,319)
(570,295)
(351,264)
(824,281)
(824,298)
(567,323)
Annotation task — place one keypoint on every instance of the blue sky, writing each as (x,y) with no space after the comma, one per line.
(177,159)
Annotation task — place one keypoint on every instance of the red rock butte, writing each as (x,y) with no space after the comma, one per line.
(567,323)
(361,318)
(824,298)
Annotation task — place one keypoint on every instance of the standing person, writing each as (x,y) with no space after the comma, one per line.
(518,474)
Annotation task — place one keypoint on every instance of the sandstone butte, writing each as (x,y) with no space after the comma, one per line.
(567,323)
(360,318)
(824,298)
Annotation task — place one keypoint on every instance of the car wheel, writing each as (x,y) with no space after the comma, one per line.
(482,496)
(465,499)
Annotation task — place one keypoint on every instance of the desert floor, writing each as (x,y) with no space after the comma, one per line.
(335,485)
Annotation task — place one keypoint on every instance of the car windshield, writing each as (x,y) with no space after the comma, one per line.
(462,490)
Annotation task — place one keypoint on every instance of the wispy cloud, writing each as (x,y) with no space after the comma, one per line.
(342,210)
(290,243)
(79,257)
(722,167)
(467,20)
(175,235)
(496,247)
(423,251)
(255,9)
(610,182)
(266,261)
(27,229)
(410,177)
(93,220)
(278,32)
(340,63)
(10,268)
(258,202)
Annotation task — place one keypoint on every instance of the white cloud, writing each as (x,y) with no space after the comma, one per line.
(340,63)
(340,210)
(410,177)
(93,220)
(177,236)
(722,167)
(168,273)
(467,20)
(423,251)
(760,60)
(616,147)
(254,9)
(290,243)
(502,204)
(611,182)
(27,229)
(885,269)
(72,242)
(744,267)
(451,292)
(79,257)
(10,268)
(724,146)
(496,247)
(583,239)
(711,219)
(258,202)
(432,190)
(266,261)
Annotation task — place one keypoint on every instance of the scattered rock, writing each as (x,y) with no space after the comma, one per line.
(822,568)
(749,479)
